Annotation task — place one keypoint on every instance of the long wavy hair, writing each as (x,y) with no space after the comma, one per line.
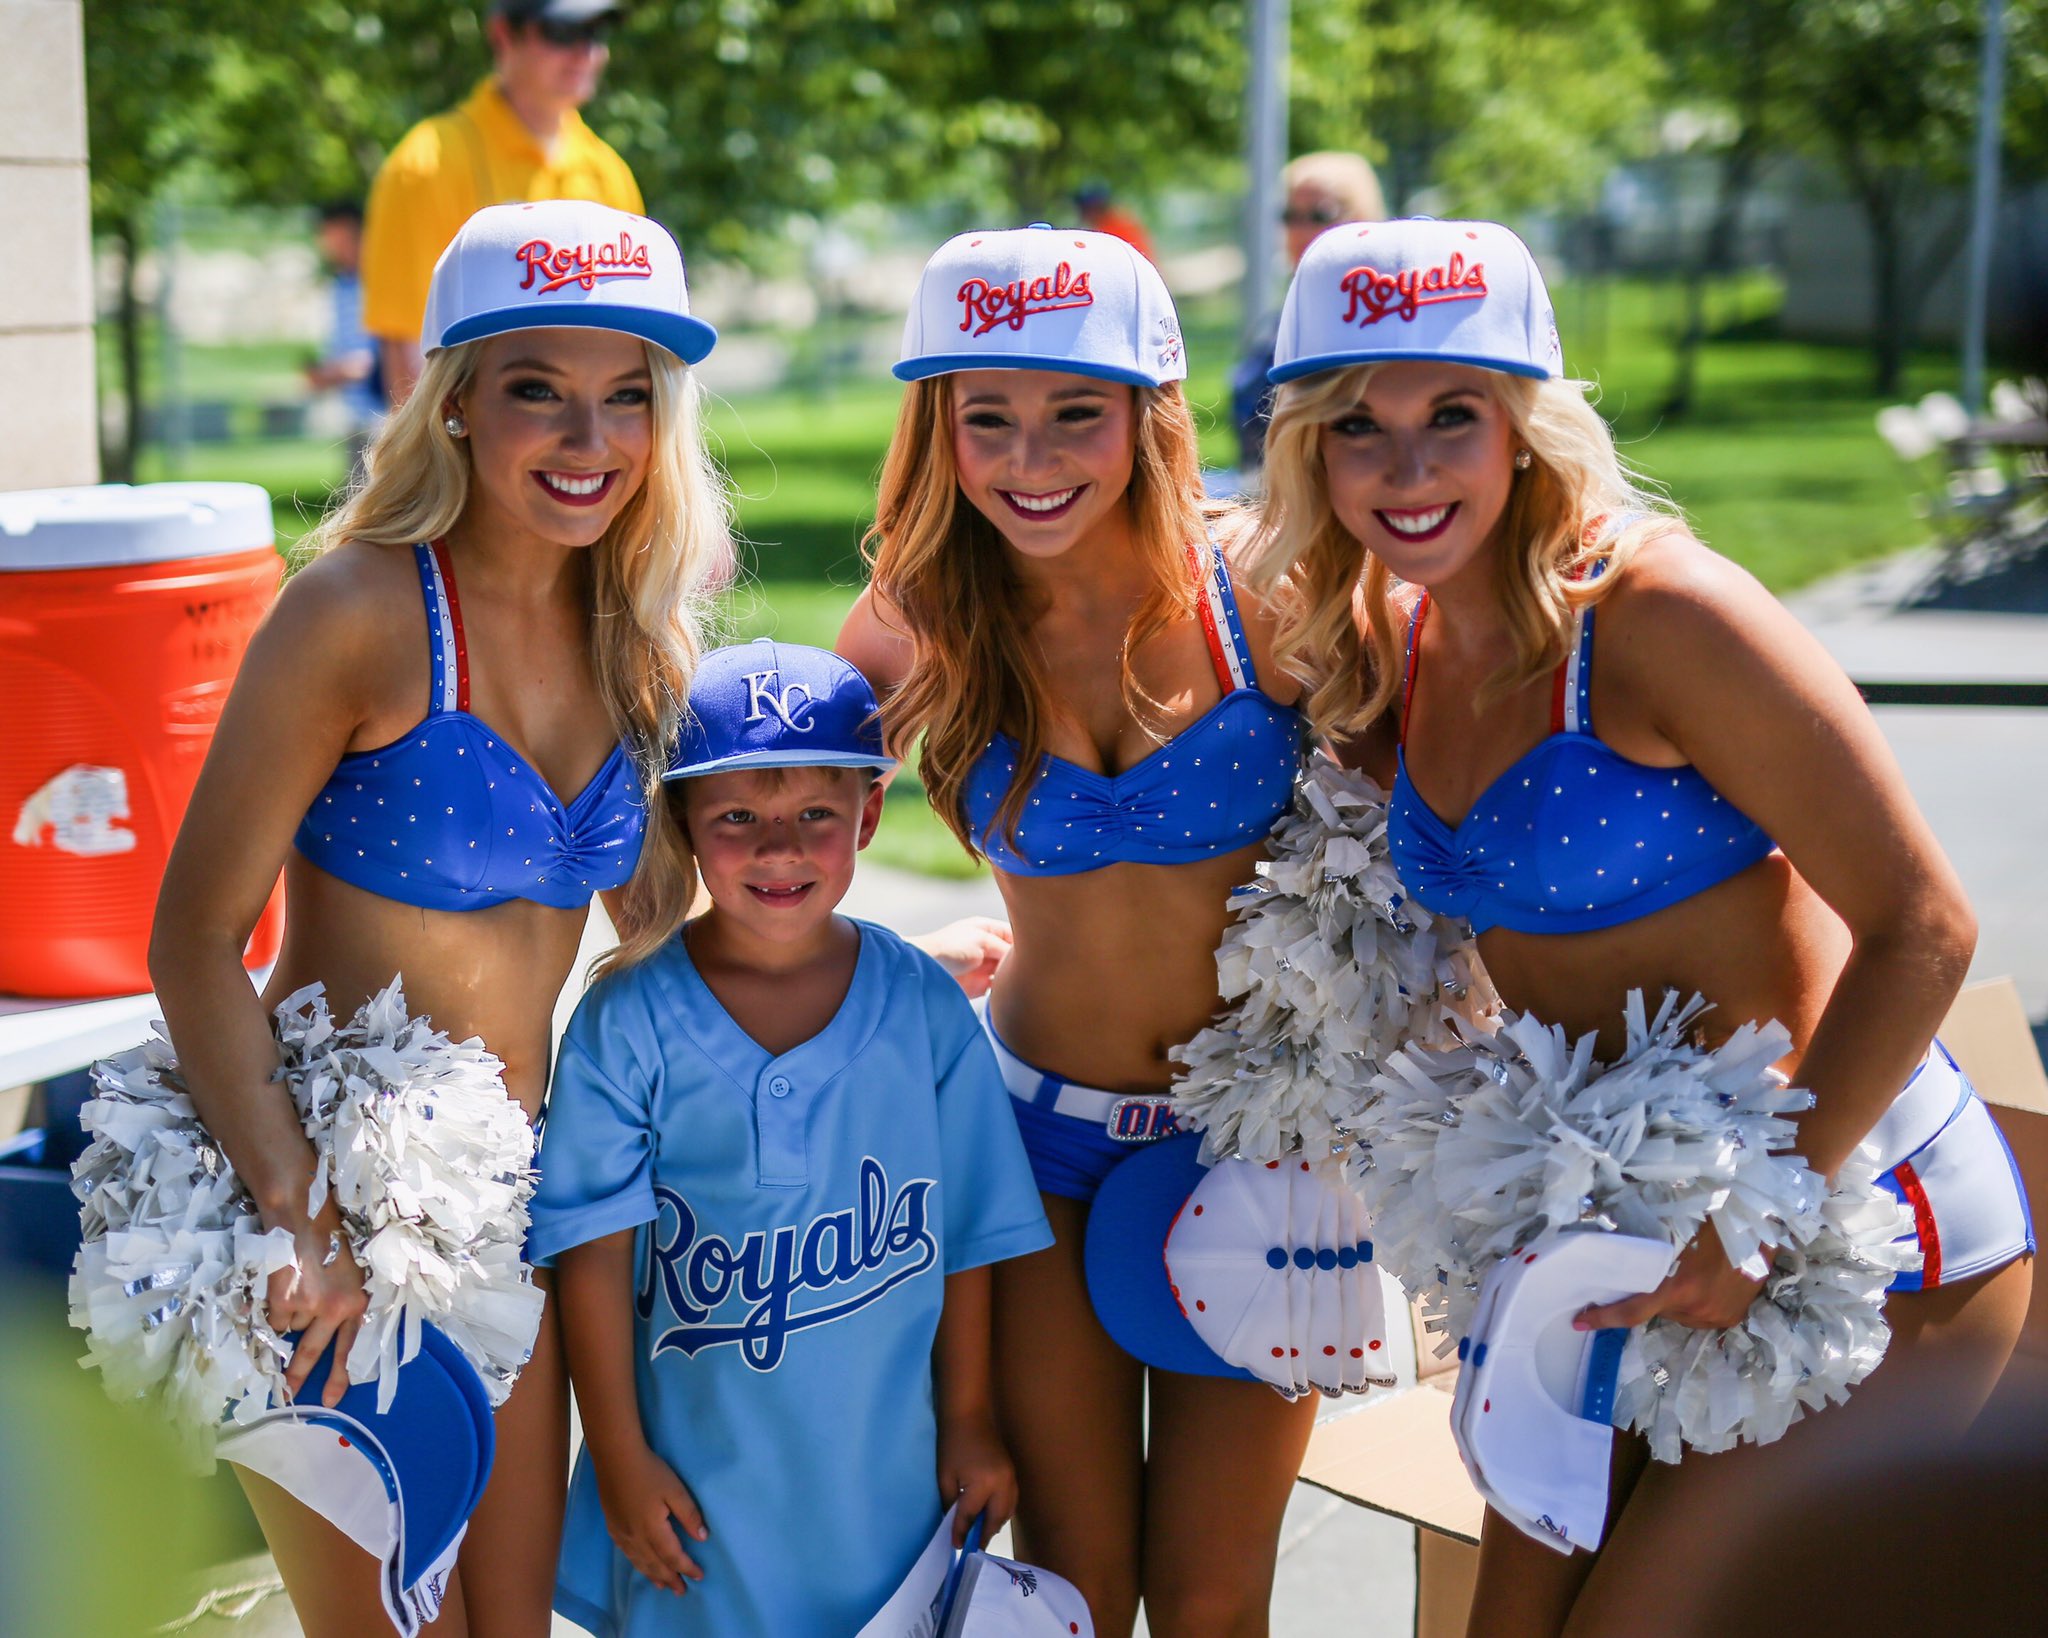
(648,580)
(1576,503)
(976,669)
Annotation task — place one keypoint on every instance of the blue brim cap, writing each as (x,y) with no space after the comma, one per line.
(690,339)
(798,758)
(1124,1256)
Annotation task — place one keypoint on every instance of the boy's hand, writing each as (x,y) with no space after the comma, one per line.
(971,949)
(640,1494)
(975,1471)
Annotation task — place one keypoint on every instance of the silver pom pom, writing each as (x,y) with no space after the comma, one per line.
(1328,967)
(1481,1147)
(429,1160)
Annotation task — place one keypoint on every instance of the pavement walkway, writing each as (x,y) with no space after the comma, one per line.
(1980,775)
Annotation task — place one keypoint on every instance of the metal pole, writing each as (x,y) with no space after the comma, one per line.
(1984,207)
(1265,151)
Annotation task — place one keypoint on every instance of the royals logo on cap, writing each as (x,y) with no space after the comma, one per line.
(778,705)
(563,263)
(1457,292)
(1042,298)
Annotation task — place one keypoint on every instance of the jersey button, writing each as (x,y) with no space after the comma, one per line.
(779,1086)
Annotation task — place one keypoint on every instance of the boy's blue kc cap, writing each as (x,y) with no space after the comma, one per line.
(1456,292)
(1043,298)
(562,263)
(778,705)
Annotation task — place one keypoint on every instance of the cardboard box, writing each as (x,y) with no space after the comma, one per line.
(1395,1453)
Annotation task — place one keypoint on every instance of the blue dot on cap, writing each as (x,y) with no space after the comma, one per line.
(1276,1258)
(1464,1346)
(1304,1258)
(1365,1251)
(1479,1356)
(1326,1260)
(1348,1257)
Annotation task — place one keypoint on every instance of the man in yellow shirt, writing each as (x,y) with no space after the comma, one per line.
(517,137)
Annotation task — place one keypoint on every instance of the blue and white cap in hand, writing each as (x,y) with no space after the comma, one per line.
(1264,1271)
(766,704)
(1043,298)
(1534,1406)
(562,263)
(400,1484)
(1457,292)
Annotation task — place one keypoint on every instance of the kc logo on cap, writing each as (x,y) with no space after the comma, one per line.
(778,705)
(562,263)
(1457,292)
(1042,298)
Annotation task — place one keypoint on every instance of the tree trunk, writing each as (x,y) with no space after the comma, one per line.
(1888,309)
(1714,254)
(120,461)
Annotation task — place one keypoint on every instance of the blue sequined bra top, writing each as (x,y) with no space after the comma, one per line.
(451,817)
(1573,836)
(1217,785)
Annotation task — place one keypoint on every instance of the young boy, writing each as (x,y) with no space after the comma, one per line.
(778,1160)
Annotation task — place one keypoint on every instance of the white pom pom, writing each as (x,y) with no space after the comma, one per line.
(429,1160)
(1472,1151)
(1327,968)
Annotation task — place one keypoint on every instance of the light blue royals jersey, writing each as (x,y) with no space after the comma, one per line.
(796,1217)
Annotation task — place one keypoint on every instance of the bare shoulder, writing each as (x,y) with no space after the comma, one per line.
(1676,591)
(876,639)
(353,612)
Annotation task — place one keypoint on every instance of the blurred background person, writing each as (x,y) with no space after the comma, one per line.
(1101,214)
(349,368)
(1320,190)
(518,136)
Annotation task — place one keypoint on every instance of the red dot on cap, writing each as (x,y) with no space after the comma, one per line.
(1487,1406)
(1073,1626)
(345,1445)
(1294,1353)
(1470,234)
(1374,1343)
(1080,244)
(1200,1306)
(1272,1165)
(1329,1348)
(1276,1353)
(1530,1258)
(1198,1211)
(1358,1353)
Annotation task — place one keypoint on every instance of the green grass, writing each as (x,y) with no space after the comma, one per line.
(1778,464)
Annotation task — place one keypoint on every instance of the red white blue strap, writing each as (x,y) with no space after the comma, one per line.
(444,628)
(1221,624)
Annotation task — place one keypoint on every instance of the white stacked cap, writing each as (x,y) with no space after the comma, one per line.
(1043,298)
(1456,292)
(562,263)
(1273,1267)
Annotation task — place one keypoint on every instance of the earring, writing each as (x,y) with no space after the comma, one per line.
(455,426)
(1522,460)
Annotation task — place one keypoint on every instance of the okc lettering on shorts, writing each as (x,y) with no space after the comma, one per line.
(582,264)
(883,1234)
(1377,295)
(984,305)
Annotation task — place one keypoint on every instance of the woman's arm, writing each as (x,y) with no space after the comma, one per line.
(297,700)
(1749,697)
(639,1492)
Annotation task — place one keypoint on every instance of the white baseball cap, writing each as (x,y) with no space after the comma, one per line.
(1534,1407)
(562,263)
(1043,298)
(1458,292)
(1264,1270)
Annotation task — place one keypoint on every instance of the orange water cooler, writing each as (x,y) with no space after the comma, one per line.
(124,613)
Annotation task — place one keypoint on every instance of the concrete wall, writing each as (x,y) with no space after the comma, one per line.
(1829,283)
(48,423)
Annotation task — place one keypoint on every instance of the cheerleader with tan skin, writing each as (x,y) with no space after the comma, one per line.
(443,734)
(1632,769)
(1048,612)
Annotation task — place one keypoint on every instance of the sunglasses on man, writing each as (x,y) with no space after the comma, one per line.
(1311,216)
(588,31)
